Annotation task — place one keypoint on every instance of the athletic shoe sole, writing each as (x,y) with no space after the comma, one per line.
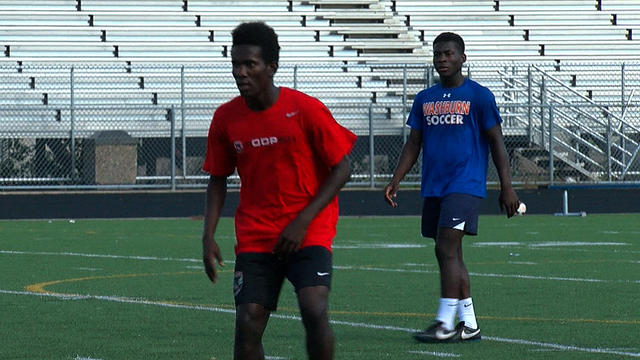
(466,333)
(437,334)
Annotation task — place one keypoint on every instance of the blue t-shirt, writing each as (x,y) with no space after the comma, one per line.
(455,151)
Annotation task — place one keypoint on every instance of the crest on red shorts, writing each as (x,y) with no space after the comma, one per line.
(238,146)
(237,283)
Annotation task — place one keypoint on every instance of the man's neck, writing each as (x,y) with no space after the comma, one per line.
(265,100)
(453,81)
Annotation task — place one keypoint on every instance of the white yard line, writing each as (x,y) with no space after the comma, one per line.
(380,246)
(338,267)
(563,347)
(125,300)
(436,354)
(107,256)
(513,276)
(550,243)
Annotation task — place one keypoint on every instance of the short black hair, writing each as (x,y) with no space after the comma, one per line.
(258,34)
(449,36)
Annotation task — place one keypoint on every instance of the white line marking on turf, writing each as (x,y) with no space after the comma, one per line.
(419,265)
(438,354)
(292,317)
(107,256)
(577,243)
(84,358)
(496,243)
(550,243)
(562,347)
(379,246)
(515,276)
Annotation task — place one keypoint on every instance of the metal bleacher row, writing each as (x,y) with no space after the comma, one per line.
(344,47)
(558,29)
(320,30)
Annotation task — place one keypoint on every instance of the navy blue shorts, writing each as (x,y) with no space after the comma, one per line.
(453,211)
(259,276)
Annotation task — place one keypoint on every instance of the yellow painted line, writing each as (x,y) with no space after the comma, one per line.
(40,288)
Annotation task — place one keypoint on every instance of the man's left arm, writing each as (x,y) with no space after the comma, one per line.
(508,199)
(293,235)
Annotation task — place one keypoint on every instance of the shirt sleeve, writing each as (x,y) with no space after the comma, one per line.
(220,158)
(416,115)
(489,114)
(331,141)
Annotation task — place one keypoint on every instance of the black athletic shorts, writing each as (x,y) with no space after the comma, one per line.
(453,211)
(259,276)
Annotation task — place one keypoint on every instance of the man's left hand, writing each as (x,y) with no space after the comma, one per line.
(291,238)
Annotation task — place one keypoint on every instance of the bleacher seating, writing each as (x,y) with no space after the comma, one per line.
(620,5)
(466,6)
(567,6)
(57,5)
(578,32)
(541,23)
(364,35)
(405,27)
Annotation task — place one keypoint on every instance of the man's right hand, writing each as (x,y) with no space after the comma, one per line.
(390,192)
(211,255)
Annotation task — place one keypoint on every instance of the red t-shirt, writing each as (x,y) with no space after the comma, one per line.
(283,154)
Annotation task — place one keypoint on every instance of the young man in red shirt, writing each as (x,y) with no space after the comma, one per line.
(291,156)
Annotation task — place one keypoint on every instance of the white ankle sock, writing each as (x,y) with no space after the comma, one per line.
(467,314)
(447,312)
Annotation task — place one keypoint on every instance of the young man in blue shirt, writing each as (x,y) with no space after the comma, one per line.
(455,123)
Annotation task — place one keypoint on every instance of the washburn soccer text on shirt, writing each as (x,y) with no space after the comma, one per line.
(445,112)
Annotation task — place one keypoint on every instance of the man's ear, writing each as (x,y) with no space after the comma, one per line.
(464,58)
(273,67)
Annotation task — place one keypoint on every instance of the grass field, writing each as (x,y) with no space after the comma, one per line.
(544,287)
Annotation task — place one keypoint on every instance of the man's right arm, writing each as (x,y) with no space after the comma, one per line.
(410,153)
(216,193)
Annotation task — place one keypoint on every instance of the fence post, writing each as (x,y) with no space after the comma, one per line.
(530,103)
(404,103)
(371,149)
(427,71)
(183,135)
(172,119)
(295,76)
(609,147)
(551,169)
(72,118)
(623,142)
(543,102)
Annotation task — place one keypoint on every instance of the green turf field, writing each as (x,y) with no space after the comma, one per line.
(544,287)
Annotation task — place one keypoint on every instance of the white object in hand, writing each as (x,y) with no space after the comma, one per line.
(522,209)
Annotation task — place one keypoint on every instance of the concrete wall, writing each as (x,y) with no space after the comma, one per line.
(76,205)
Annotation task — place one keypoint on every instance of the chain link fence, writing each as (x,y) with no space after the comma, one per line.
(145,125)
